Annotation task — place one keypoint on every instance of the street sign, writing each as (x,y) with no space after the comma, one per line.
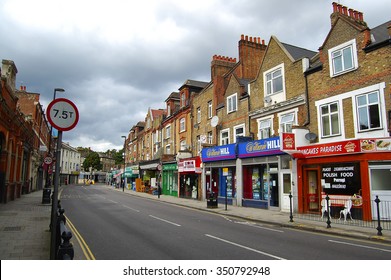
(47,160)
(62,114)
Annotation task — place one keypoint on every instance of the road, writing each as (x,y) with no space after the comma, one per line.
(120,226)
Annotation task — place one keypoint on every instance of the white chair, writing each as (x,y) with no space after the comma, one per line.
(346,210)
(324,207)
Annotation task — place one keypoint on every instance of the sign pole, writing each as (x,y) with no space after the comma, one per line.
(55,198)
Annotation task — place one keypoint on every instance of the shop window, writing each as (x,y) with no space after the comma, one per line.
(330,119)
(368,108)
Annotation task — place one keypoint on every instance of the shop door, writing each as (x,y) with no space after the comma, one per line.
(380,177)
(312,191)
(286,190)
(274,190)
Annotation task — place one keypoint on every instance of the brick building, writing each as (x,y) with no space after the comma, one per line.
(349,101)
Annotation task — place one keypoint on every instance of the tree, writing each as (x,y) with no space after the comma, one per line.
(92,160)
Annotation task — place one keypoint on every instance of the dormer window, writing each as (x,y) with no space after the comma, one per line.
(343,58)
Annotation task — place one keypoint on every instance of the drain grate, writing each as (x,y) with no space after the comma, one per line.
(16,228)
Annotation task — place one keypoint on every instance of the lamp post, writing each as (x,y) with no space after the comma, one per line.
(46,192)
(123,184)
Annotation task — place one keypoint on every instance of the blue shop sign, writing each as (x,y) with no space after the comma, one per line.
(263,147)
(224,152)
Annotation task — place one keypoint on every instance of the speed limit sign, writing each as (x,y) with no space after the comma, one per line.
(62,114)
(47,160)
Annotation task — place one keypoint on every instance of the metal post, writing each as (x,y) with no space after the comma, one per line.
(226,193)
(55,198)
(290,208)
(379,228)
(328,211)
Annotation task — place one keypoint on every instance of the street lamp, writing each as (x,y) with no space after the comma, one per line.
(46,198)
(123,186)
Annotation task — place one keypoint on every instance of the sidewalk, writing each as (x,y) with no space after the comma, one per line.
(25,235)
(24,228)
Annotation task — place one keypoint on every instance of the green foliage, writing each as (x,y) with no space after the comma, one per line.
(92,160)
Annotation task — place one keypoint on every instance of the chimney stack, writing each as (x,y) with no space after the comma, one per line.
(251,52)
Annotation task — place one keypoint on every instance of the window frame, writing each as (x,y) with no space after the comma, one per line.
(340,48)
(329,114)
(182,124)
(261,130)
(367,105)
(231,101)
(243,126)
(168,131)
(266,81)
(210,109)
(225,138)
(198,115)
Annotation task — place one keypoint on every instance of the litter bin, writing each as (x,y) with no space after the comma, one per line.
(46,195)
(211,201)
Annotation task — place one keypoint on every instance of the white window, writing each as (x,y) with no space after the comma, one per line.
(274,81)
(343,58)
(183,145)
(168,149)
(286,122)
(168,131)
(210,112)
(210,137)
(368,111)
(264,129)
(168,110)
(329,117)
(182,125)
(198,114)
(224,137)
(198,143)
(183,100)
(239,130)
(232,101)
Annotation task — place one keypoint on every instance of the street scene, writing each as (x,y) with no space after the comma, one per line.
(147,135)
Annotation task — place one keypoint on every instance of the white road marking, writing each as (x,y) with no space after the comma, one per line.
(361,246)
(163,220)
(257,226)
(112,201)
(245,247)
(131,208)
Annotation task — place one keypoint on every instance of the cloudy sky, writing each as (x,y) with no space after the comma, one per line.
(117,58)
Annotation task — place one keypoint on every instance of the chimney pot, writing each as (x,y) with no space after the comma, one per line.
(246,38)
(344,10)
(360,16)
(335,7)
(242,37)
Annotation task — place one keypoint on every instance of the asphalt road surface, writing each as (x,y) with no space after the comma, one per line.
(120,226)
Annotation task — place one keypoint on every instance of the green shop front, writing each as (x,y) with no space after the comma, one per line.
(170,179)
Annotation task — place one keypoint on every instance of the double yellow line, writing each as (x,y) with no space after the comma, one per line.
(86,250)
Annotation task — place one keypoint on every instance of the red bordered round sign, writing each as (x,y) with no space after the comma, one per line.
(62,114)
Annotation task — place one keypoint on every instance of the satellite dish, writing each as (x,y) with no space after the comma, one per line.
(268,99)
(214,121)
(310,136)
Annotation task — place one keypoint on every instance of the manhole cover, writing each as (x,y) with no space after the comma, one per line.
(17,228)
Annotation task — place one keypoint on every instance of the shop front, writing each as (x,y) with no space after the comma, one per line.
(266,173)
(170,179)
(150,174)
(189,171)
(219,172)
(351,173)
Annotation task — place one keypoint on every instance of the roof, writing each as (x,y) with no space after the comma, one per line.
(297,52)
(379,34)
(173,95)
(194,83)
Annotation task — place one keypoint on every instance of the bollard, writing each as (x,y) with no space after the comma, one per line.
(65,250)
(290,208)
(379,228)
(328,211)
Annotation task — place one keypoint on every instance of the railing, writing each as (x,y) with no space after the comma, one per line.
(64,248)
(350,211)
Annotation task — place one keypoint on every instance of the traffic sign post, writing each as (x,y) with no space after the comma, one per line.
(63,116)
